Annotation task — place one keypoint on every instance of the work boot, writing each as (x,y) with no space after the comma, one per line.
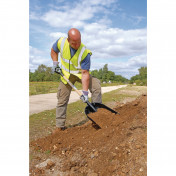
(58,129)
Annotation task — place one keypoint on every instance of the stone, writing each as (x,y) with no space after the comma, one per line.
(50,164)
(92,155)
(55,147)
(96,153)
(138,146)
(44,164)
(117,148)
(114,154)
(141,169)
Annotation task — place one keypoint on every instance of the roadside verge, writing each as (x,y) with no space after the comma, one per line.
(42,102)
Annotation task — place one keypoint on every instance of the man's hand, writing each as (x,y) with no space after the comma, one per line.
(84,96)
(55,64)
(54,57)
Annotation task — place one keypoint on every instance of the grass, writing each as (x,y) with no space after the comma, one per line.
(36,88)
(43,123)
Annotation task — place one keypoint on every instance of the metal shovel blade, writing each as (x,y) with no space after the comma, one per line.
(88,110)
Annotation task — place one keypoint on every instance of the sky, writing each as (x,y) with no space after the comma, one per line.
(114,30)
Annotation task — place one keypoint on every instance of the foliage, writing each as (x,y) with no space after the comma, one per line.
(42,74)
(141,78)
(44,81)
(104,75)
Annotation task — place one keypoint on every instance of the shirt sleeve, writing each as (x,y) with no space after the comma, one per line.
(55,48)
(85,64)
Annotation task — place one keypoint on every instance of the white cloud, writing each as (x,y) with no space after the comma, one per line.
(33,16)
(71,15)
(132,64)
(57,35)
(36,58)
(134,20)
(99,2)
(138,61)
(126,69)
(113,42)
(137,19)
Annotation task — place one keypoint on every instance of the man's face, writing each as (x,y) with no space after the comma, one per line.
(75,44)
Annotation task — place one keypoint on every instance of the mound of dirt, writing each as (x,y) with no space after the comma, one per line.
(119,148)
(103,118)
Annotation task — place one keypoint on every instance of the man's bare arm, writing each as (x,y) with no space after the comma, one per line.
(85,79)
(54,55)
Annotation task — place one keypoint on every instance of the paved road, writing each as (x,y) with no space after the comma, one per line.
(42,102)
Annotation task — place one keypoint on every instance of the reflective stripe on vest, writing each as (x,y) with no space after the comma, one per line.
(62,45)
(73,72)
(69,61)
(80,56)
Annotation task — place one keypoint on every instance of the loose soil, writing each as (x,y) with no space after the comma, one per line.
(119,148)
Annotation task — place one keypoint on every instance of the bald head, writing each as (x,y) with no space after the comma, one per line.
(74,38)
(74,34)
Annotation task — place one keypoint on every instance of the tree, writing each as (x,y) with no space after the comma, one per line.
(42,68)
(143,72)
(44,73)
(105,69)
(110,76)
(120,79)
(105,72)
(95,73)
(141,78)
(100,74)
(104,75)
(48,74)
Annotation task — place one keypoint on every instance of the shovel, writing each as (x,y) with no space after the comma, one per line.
(91,107)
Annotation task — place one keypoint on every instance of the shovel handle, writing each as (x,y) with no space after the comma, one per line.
(89,104)
(78,92)
(59,71)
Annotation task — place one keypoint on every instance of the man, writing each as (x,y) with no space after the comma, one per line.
(75,65)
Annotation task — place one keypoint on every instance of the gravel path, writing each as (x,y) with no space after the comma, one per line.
(42,102)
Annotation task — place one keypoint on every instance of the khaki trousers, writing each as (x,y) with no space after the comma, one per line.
(63,96)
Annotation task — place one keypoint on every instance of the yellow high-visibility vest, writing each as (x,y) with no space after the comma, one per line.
(71,65)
